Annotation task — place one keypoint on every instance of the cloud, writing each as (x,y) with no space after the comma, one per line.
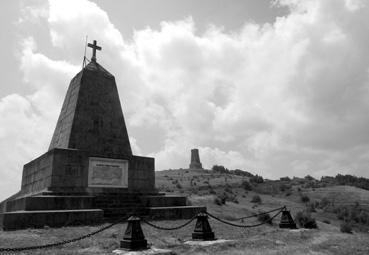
(287,98)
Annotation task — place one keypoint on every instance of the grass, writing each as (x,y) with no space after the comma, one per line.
(266,239)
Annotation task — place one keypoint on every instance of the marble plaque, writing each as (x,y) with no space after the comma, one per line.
(105,172)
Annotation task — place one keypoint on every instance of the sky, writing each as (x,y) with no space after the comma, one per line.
(277,88)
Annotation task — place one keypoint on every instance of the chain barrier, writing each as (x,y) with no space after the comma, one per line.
(148,223)
(65,241)
(243,226)
(261,213)
(173,228)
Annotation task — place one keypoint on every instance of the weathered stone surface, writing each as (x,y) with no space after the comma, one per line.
(91,118)
(68,169)
(175,212)
(56,218)
(141,176)
(157,201)
(36,203)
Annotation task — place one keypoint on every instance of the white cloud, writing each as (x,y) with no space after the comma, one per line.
(288,98)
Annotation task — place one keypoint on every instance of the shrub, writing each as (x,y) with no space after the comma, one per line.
(288,193)
(233,199)
(246,185)
(175,182)
(179,186)
(326,221)
(265,218)
(220,200)
(256,199)
(310,207)
(305,220)
(284,187)
(324,202)
(220,169)
(256,179)
(285,179)
(346,227)
(228,189)
(305,198)
(364,218)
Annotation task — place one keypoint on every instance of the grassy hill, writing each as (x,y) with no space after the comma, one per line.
(205,187)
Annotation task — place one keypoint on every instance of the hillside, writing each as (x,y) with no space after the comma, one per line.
(209,188)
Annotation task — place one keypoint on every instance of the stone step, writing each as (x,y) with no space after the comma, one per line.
(35,203)
(174,212)
(155,213)
(114,213)
(52,218)
(160,201)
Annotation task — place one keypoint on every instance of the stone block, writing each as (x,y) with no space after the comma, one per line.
(35,203)
(163,201)
(55,218)
(175,212)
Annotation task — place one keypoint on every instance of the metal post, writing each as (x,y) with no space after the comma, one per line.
(202,229)
(286,220)
(134,238)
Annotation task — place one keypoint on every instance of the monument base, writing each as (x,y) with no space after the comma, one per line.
(51,218)
(69,187)
(58,210)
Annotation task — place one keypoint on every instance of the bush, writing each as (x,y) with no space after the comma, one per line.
(312,206)
(346,227)
(246,185)
(220,200)
(284,187)
(179,186)
(233,199)
(288,179)
(327,221)
(305,220)
(175,182)
(220,169)
(305,198)
(212,191)
(256,199)
(324,202)
(265,218)
(256,179)
(228,189)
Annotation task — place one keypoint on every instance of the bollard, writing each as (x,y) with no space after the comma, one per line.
(134,238)
(202,228)
(286,220)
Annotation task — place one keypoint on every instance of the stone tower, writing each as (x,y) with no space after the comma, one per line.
(195,160)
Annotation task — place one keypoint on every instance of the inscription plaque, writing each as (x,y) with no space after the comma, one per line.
(105,172)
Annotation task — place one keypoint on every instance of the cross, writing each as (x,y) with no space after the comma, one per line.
(94,48)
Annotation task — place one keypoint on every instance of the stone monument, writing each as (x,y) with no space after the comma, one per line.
(195,160)
(89,173)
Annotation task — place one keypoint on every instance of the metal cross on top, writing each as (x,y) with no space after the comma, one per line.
(94,48)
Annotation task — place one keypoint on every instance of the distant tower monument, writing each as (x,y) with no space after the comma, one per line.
(195,160)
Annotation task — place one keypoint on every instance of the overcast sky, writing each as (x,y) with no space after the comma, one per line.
(276,88)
